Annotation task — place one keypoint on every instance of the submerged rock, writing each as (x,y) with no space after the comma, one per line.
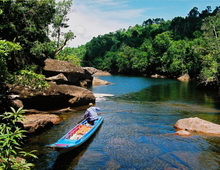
(158,76)
(198,125)
(184,78)
(183,133)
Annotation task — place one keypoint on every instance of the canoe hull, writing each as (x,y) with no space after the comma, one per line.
(76,136)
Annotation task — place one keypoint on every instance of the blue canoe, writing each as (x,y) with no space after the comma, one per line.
(76,136)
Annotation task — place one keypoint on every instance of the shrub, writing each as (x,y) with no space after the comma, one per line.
(29,78)
(11,135)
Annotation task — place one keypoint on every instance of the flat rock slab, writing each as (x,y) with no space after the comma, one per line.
(36,122)
(198,125)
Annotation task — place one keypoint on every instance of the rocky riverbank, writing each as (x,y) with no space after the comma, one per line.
(68,89)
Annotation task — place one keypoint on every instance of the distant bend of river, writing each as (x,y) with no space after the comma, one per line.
(137,132)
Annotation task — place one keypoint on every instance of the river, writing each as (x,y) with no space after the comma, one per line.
(137,133)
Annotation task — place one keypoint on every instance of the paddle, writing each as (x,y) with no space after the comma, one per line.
(115,111)
(106,112)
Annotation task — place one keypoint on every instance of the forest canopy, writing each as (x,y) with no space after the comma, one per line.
(32,31)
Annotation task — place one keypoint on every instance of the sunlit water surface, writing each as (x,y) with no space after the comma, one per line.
(137,132)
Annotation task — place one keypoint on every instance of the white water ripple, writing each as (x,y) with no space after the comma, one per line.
(102,96)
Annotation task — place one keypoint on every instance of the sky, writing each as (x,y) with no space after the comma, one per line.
(90,18)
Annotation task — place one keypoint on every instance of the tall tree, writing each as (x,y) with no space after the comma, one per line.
(194,13)
(60,23)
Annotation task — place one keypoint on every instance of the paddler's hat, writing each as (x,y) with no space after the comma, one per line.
(90,104)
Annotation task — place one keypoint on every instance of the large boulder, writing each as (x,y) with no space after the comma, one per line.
(55,97)
(198,125)
(71,73)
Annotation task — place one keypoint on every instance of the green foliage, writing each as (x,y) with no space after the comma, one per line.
(30,79)
(176,60)
(26,23)
(43,50)
(6,48)
(11,154)
(68,54)
(210,49)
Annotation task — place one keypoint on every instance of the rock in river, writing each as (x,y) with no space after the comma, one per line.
(198,125)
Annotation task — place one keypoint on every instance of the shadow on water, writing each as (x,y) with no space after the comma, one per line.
(71,158)
(185,98)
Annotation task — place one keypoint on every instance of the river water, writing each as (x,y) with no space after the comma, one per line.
(137,133)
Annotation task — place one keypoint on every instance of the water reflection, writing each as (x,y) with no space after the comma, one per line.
(185,98)
(175,91)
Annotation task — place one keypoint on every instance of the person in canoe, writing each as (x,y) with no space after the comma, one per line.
(91,113)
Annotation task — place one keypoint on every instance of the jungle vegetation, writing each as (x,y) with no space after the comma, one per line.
(30,32)
(183,45)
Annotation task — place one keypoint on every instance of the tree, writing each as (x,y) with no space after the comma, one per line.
(60,22)
(210,51)
(194,13)
(162,42)
(175,60)
(68,54)
(206,12)
(98,47)
(178,26)
(109,62)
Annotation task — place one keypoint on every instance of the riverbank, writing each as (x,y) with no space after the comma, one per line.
(67,88)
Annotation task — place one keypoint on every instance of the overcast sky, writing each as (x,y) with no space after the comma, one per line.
(90,18)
